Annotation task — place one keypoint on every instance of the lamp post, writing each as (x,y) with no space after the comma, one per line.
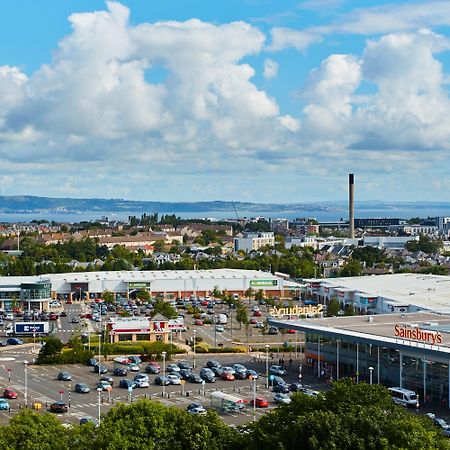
(267,366)
(99,346)
(254,397)
(25,363)
(164,373)
(193,363)
(99,390)
(370,375)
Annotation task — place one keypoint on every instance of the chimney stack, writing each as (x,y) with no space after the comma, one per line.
(351,205)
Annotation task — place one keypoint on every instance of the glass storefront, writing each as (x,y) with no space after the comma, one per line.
(429,379)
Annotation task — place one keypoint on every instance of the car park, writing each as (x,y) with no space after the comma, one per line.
(82,388)
(4,405)
(10,393)
(120,372)
(161,380)
(100,369)
(277,370)
(194,378)
(64,376)
(125,384)
(153,367)
(59,407)
(104,386)
(260,402)
(207,375)
(14,341)
(195,408)
(282,398)
(141,380)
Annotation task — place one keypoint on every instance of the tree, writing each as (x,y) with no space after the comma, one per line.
(348,416)
(216,292)
(143,295)
(50,351)
(108,297)
(164,308)
(259,294)
(241,315)
(333,308)
(249,293)
(352,268)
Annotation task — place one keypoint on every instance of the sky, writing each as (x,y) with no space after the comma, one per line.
(244,100)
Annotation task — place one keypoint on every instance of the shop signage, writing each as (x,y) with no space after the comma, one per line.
(263,282)
(434,337)
(138,285)
(296,310)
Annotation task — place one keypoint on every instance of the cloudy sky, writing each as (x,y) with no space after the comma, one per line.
(246,100)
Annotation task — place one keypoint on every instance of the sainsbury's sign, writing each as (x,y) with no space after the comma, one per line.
(296,311)
(434,337)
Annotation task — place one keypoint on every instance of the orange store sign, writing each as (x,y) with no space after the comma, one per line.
(433,337)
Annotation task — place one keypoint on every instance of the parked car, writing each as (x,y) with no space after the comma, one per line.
(226,375)
(59,407)
(212,363)
(277,370)
(100,369)
(10,393)
(82,388)
(282,398)
(55,304)
(220,328)
(241,374)
(141,380)
(4,405)
(53,316)
(194,378)
(217,371)
(104,386)
(173,379)
(440,423)
(257,314)
(108,379)
(290,331)
(63,314)
(9,316)
(252,373)
(195,408)
(120,372)
(75,320)
(184,373)
(260,402)
(207,375)
(229,369)
(239,367)
(161,380)
(135,360)
(125,384)
(172,368)
(281,388)
(253,321)
(198,322)
(272,330)
(296,387)
(153,367)
(14,341)
(92,420)
(91,362)
(64,376)
(184,365)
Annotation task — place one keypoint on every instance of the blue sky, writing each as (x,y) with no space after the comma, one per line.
(246,100)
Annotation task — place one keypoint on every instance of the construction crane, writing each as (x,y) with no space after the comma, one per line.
(235,211)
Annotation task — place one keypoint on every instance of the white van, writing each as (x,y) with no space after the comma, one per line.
(404,397)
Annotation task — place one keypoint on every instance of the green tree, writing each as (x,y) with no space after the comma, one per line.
(249,293)
(108,297)
(352,268)
(333,308)
(164,308)
(143,295)
(242,315)
(50,351)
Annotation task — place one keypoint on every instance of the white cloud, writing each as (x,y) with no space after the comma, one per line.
(270,69)
(285,38)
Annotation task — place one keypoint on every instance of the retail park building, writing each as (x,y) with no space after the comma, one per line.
(401,338)
(35,292)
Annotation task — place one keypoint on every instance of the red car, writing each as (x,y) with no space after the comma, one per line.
(257,313)
(227,376)
(198,322)
(53,316)
(290,331)
(261,402)
(10,393)
(253,321)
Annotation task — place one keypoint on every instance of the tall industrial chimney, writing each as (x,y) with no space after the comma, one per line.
(351,205)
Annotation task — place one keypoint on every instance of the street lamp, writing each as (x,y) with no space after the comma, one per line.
(267,366)
(25,363)
(195,332)
(370,375)
(164,373)
(99,346)
(254,396)
(99,390)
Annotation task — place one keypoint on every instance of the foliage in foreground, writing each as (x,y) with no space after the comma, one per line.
(349,416)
